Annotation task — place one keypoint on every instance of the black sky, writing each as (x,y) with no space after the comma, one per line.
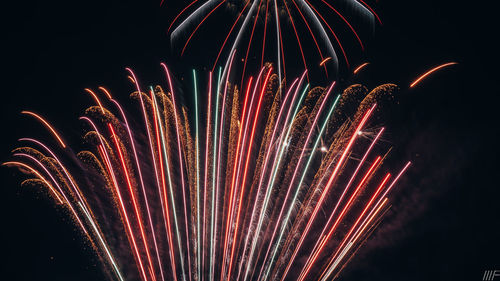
(445,224)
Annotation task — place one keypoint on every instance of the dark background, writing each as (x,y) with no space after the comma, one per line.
(444,225)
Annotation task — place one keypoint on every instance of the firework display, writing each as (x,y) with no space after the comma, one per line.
(266,182)
(263,24)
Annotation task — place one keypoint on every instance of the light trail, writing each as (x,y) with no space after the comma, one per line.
(416,81)
(324,61)
(171,189)
(359,68)
(132,195)
(106,92)
(306,168)
(130,233)
(47,125)
(163,199)
(51,188)
(346,189)
(313,20)
(206,182)
(265,166)
(94,96)
(281,141)
(191,36)
(163,191)
(214,180)
(143,188)
(236,165)
(314,257)
(103,243)
(346,21)
(229,34)
(326,189)
(182,175)
(198,230)
(249,150)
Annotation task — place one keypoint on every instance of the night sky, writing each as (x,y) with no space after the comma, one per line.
(444,224)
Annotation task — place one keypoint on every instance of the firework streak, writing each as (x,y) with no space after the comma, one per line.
(259,184)
(275,16)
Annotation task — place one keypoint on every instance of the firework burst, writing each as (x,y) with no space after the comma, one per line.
(263,184)
(265,22)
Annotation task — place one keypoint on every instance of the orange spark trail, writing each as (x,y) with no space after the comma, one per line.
(46,125)
(106,92)
(96,99)
(431,71)
(360,67)
(324,61)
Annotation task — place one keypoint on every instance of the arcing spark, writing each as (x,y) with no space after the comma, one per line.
(249,196)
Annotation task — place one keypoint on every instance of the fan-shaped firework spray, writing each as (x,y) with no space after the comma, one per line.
(259,184)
